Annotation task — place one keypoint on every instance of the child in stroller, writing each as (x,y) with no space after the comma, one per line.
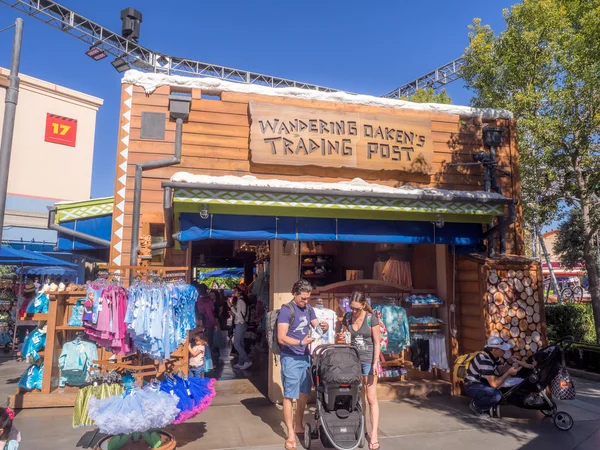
(533,379)
(336,375)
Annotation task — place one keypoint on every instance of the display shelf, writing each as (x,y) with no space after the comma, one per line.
(316,265)
(315,276)
(34,317)
(69,328)
(426,325)
(411,306)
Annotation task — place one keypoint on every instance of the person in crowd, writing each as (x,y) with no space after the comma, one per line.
(9,435)
(37,284)
(223,286)
(485,375)
(294,341)
(221,313)
(365,335)
(197,350)
(238,305)
(215,285)
(206,310)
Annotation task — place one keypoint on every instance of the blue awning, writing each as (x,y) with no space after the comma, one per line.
(222,273)
(239,227)
(99,227)
(11,256)
(51,270)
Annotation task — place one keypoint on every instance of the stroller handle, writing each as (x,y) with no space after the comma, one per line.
(565,342)
(322,348)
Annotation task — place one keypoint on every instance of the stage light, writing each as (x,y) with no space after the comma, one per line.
(96,53)
(120,64)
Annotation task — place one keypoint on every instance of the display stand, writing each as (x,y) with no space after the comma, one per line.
(58,333)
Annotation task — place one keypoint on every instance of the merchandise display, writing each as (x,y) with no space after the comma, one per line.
(75,360)
(39,305)
(34,343)
(396,322)
(159,317)
(397,272)
(423,300)
(98,391)
(107,326)
(193,395)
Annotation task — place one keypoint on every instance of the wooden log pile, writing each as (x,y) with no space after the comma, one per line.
(513,308)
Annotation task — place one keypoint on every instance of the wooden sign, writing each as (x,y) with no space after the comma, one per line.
(318,137)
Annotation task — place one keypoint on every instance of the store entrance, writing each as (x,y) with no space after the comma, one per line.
(227,272)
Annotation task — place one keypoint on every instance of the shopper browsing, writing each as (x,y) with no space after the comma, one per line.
(293,338)
(239,309)
(197,356)
(9,435)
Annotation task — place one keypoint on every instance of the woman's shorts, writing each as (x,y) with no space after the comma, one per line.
(367,369)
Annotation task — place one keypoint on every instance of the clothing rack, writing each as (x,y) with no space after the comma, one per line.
(58,333)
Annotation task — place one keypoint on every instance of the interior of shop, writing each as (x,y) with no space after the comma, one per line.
(400,280)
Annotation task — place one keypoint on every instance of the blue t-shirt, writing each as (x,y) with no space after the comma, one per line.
(299,329)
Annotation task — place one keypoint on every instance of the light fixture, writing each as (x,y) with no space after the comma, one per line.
(120,64)
(440,221)
(204,212)
(131,20)
(163,61)
(492,136)
(96,52)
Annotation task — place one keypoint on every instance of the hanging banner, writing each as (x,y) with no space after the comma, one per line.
(286,135)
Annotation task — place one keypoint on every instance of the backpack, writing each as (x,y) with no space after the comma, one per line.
(383,333)
(461,365)
(272,327)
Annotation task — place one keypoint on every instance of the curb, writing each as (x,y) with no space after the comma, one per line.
(591,376)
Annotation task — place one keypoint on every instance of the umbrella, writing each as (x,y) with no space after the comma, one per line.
(223,273)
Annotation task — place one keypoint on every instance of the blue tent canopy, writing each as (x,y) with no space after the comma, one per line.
(233,227)
(51,270)
(222,273)
(99,227)
(11,256)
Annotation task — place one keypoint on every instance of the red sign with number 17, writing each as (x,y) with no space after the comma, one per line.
(61,130)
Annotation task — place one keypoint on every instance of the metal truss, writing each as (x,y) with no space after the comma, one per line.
(68,21)
(439,77)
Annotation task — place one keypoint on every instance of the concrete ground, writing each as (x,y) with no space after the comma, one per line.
(251,422)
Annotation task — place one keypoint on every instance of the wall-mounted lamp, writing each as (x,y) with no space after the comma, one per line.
(204,212)
(492,136)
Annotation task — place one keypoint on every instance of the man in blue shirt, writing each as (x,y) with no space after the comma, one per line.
(293,341)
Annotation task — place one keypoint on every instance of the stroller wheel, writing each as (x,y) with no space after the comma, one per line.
(362,442)
(307,436)
(548,412)
(563,421)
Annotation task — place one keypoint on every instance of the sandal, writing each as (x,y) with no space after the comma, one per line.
(374,446)
(290,445)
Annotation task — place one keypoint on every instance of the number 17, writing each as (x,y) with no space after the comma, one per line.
(64,129)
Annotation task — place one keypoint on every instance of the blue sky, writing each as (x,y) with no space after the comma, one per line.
(363,47)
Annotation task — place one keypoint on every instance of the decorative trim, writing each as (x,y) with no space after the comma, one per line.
(336,202)
(121,177)
(84,210)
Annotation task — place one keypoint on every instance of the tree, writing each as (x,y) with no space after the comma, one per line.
(6,271)
(429,96)
(569,240)
(544,67)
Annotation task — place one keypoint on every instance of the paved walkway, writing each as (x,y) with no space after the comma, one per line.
(431,423)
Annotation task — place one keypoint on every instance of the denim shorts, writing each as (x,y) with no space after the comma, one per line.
(295,375)
(367,369)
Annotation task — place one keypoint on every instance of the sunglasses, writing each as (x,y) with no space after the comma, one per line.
(356,309)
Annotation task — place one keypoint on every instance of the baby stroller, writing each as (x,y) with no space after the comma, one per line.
(336,375)
(548,362)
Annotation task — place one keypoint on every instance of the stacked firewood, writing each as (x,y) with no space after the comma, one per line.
(514,311)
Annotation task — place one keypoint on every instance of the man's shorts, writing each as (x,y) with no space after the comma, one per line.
(295,375)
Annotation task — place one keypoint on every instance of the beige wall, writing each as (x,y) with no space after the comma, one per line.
(45,169)
(285,271)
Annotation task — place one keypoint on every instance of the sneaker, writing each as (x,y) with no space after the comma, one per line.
(246,366)
(479,413)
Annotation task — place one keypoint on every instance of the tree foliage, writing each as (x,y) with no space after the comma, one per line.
(544,67)
(569,240)
(429,96)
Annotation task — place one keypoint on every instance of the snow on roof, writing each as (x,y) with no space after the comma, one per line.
(355,186)
(75,202)
(151,81)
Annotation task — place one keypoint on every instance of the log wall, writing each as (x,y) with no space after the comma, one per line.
(216,142)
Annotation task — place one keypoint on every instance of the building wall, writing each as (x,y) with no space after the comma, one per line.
(39,168)
(40,172)
(216,142)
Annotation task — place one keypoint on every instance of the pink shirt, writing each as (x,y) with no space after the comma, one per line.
(206,307)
